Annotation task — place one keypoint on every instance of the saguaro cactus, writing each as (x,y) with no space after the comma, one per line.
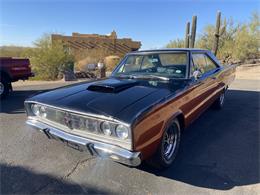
(193,32)
(216,40)
(187,35)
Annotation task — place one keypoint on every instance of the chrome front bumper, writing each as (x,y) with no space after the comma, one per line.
(96,148)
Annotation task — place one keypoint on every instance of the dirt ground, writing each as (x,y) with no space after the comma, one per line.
(248,72)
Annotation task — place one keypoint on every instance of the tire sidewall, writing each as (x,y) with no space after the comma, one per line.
(167,163)
(222,102)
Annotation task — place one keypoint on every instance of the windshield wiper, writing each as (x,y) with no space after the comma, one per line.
(124,76)
(150,76)
(143,76)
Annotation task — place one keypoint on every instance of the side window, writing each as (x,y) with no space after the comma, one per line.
(199,62)
(210,64)
(203,63)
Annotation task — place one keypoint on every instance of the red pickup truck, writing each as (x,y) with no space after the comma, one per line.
(11,70)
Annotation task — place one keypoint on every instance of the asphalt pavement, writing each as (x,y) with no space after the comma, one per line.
(219,154)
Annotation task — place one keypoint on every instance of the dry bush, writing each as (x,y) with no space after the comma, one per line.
(92,56)
(49,59)
(111,62)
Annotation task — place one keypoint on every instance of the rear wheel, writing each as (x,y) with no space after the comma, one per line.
(168,148)
(4,87)
(219,103)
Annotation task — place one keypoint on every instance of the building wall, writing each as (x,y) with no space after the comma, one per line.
(82,43)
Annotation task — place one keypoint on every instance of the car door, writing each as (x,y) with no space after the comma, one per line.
(204,87)
(209,77)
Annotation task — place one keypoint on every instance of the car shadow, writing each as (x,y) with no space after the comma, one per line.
(18,180)
(221,149)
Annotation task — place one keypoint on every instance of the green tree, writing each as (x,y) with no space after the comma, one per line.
(49,58)
(247,39)
(226,41)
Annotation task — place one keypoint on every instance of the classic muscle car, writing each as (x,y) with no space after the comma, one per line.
(139,112)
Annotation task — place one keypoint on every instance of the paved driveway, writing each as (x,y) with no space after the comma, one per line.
(219,154)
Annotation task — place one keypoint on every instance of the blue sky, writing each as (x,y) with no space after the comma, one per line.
(154,23)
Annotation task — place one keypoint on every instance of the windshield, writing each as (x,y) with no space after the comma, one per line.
(159,65)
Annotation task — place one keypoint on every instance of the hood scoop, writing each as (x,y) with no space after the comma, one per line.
(111,85)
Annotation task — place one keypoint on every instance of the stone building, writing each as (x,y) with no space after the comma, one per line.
(83,43)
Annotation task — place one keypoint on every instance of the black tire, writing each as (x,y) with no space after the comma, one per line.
(165,155)
(219,103)
(5,87)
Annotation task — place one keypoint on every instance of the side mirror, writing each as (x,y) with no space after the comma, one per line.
(196,74)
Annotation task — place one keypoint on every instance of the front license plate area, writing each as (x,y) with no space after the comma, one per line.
(70,144)
(74,146)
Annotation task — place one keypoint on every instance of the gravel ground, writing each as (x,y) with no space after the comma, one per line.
(219,154)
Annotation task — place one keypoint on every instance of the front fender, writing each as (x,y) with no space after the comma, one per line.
(147,134)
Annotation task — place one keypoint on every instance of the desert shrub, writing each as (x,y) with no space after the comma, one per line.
(49,58)
(111,62)
(91,56)
(178,43)
(13,51)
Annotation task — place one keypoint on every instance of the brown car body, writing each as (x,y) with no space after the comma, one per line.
(187,106)
(145,107)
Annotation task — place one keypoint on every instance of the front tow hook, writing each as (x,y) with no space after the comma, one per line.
(91,149)
(46,131)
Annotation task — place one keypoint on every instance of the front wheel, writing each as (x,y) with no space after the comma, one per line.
(168,148)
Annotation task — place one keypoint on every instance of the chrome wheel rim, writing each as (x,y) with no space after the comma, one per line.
(169,143)
(2,88)
(221,98)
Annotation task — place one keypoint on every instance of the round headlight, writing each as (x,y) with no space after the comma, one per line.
(35,109)
(42,111)
(122,131)
(106,129)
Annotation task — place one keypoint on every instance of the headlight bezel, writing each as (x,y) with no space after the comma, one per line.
(125,129)
(43,112)
(35,109)
(38,110)
(106,130)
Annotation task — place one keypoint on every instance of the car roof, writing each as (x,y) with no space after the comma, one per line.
(168,50)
